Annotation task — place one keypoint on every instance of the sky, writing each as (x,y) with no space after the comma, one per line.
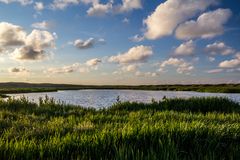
(120,42)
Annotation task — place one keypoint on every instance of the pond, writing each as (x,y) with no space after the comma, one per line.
(105,98)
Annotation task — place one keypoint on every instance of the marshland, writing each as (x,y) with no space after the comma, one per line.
(194,128)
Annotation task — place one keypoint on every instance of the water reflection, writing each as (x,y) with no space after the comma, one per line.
(105,98)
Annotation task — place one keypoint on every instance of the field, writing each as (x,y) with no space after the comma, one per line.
(196,128)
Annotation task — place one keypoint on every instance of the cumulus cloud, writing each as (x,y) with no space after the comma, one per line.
(185,49)
(40,39)
(181,65)
(137,38)
(84,44)
(41,25)
(39,6)
(163,21)
(136,54)
(88,43)
(11,35)
(93,62)
(207,25)
(35,44)
(130,68)
(29,47)
(99,9)
(128,5)
(233,63)
(22,2)
(219,48)
(28,53)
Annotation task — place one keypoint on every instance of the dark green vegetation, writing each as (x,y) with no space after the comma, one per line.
(197,128)
(8,88)
(3,96)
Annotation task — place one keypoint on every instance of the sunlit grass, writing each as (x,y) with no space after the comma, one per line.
(197,128)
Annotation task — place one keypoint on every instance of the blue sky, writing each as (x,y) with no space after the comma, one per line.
(120,41)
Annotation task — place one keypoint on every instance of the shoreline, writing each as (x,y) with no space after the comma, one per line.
(15,88)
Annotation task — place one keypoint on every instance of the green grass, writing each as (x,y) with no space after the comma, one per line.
(25,90)
(197,128)
(7,88)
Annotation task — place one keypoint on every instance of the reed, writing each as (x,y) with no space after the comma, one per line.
(196,128)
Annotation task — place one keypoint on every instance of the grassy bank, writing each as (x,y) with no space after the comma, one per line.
(197,128)
(7,88)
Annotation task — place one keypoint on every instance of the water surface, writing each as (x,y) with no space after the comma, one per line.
(105,98)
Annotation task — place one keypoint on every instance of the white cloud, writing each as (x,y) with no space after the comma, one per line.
(29,53)
(88,43)
(130,68)
(41,25)
(62,4)
(128,5)
(93,62)
(208,25)
(233,63)
(98,9)
(146,74)
(169,14)
(11,35)
(214,71)
(39,6)
(181,65)
(137,38)
(40,39)
(35,46)
(219,48)
(211,59)
(22,2)
(81,44)
(135,54)
(31,47)
(65,69)
(185,49)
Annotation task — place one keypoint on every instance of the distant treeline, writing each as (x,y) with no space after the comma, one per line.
(7,88)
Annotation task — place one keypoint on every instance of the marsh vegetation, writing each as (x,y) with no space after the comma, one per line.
(195,128)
